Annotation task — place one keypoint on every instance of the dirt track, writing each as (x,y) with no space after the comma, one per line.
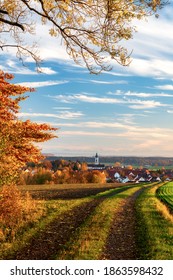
(47,243)
(120,243)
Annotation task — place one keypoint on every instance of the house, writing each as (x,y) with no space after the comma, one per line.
(124,175)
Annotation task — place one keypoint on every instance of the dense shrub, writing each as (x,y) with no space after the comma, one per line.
(16,210)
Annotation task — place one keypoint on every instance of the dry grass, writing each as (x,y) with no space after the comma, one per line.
(16,211)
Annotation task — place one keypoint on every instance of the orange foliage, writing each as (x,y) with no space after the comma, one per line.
(10,210)
(16,210)
(17,136)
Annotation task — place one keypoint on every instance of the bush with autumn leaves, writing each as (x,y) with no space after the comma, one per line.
(17,138)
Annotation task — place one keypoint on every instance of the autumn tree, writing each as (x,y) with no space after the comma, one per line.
(117,164)
(96,176)
(91,30)
(17,137)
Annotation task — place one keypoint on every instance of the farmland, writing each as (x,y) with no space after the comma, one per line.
(96,221)
(165,194)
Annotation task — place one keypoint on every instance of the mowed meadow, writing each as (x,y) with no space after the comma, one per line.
(87,222)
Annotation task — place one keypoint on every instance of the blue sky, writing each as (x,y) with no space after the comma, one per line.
(125,112)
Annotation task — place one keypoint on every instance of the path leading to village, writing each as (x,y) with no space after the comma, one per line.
(52,239)
(121,241)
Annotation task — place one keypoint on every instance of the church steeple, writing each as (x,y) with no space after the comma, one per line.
(96,159)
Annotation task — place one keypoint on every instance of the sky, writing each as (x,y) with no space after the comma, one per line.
(127,111)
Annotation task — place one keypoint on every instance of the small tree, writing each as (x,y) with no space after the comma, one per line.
(17,137)
(96,176)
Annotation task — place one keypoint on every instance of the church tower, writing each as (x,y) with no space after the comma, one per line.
(96,159)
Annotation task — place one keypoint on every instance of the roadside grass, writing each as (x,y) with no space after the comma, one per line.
(89,240)
(155,227)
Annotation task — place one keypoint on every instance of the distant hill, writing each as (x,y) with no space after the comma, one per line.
(135,161)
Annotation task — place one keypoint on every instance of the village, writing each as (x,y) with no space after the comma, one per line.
(127,174)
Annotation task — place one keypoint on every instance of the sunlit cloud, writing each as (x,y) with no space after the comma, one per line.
(165,87)
(48,70)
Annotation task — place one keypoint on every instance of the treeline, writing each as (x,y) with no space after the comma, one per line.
(59,172)
(136,161)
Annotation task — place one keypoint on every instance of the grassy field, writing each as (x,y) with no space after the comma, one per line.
(80,217)
(155,226)
(165,194)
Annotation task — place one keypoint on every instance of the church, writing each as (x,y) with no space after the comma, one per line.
(96,165)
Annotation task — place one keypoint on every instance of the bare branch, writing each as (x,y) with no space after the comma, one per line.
(12,23)
(3,12)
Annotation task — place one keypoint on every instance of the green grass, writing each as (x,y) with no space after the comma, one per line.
(155,227)
(165,194)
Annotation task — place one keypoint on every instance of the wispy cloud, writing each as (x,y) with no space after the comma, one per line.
(11,66)
(151,67)
(85,98)
(129,118)
(131,103)
(61,108)
(143,141)
(144,104)
(62,115)
(141,94)
(42,84)
(121,125)
(152,56)
(165,87)
(108,82)
(147,95)
(131,134)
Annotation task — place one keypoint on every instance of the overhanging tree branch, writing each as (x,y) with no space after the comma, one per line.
(12,23)
(92,30)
